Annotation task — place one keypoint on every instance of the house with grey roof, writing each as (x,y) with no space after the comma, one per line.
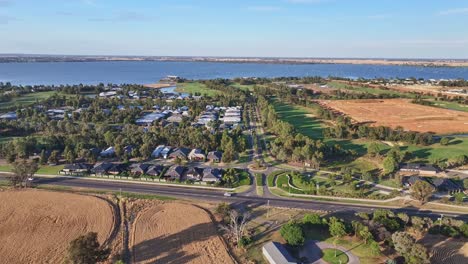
(214,156)
(175,172)
(276,253)
(211,175)
(181,153)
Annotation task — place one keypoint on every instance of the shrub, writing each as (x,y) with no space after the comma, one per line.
(312,219)
(293,234)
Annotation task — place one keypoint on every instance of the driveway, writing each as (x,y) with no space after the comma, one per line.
(312,251)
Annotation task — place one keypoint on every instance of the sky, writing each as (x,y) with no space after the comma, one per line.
(254,28)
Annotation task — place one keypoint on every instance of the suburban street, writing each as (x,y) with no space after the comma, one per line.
(247,198)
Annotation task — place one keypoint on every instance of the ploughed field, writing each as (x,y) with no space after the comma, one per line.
(176,233)
(37,226)
(401,112)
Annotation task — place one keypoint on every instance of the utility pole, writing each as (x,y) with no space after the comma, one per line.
(268,209)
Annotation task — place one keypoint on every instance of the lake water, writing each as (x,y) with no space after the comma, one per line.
(152,71)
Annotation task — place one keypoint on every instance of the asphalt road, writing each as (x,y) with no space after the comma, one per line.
(248,198)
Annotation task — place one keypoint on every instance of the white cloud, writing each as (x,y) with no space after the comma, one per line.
(455,11)
(128,16)
(264,8)
(379,16)
(307,1)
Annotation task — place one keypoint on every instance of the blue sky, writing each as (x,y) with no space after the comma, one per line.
(280,28)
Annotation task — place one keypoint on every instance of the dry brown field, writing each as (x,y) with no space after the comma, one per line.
(37,226)
(401,112)
(159,85)
(176,233)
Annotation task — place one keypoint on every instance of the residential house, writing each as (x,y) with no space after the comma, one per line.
(410,181)
(194,174)
(157,151)
(422,169)
(181,153)
(175,172)
(128,150)
(196,155)
(116,169)
(446,185)
(76,169)
(155,170)
(101,168)
(276,253)
(166,151)
(139,168)
(215,156)
(108,152)
(175,118)
(9,116)
(211,175)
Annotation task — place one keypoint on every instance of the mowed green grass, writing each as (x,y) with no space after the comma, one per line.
(195,87)
(26,100)
(243,87)
(451,105)
(301,118)
(329,256)
(6,139)
(45,169)
(375,91)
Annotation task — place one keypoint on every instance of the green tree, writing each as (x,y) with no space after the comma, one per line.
(459,197)
(374,247)
(337,229)
(418,255)
(292,233)
(312,219)
(422,191)
(465,183)
(365,234)
(87,250)
(54,157)
(373,149)
(444,141)
(22,171)
(404,218)
(403,242)
(43,157)
(390,165)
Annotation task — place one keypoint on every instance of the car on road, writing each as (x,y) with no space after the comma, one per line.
(30,179)
(227,194)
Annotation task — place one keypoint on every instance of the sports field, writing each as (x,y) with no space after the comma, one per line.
(25,100)
(302,118)
(195,87)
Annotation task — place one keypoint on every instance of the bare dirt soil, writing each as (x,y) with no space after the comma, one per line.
(37,226)
(446,250)
(176,233)
(400,112)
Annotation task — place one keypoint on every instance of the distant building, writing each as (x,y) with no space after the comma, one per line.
(196,155)
(211,175)
(422,169)
(215,156)
(157,151)
(109,152)
(155,170)
(275,253)
(9,116)
(194,174)
(181,153)
(76,169)
(174,172)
